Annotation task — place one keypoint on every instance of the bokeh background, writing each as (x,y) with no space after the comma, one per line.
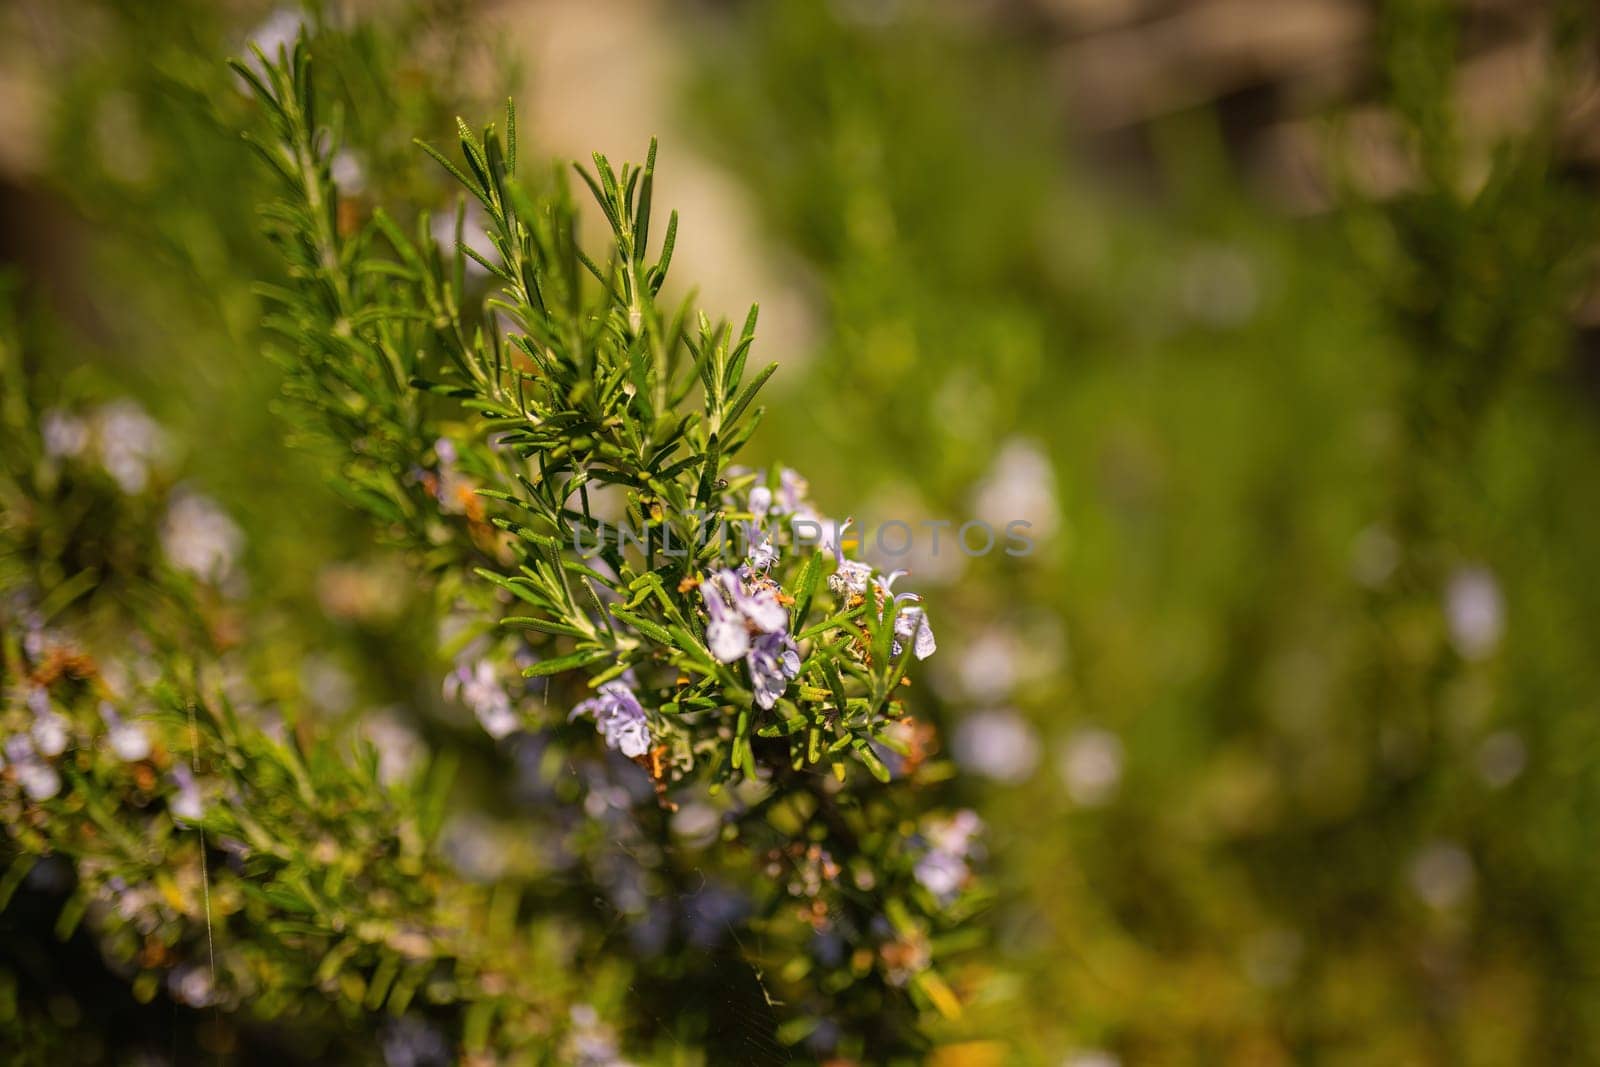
(1276,318)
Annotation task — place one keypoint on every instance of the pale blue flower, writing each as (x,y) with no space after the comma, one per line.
(749,622)
(760,501)
(851,577)
(619,717)
(128,739)
(478,686)
(738,610)
(911,624)
(760,559)
(51,732)
(941,874)
(952,841)
(774,661)
(37,778)
(727,636)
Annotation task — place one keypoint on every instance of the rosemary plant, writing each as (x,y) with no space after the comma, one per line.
(572,440)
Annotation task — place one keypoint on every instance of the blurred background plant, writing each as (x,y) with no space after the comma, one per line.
(1277,321)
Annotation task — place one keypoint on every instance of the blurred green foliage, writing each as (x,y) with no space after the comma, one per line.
(1283,449)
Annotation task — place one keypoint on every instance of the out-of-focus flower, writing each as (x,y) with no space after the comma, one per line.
(591,1042)
(988,666)
(400,750)
(477,685)
(65,434)
(1442,875)
(474,234)
(952,842)
(1090,766)
(825,1038)
(37,778)
(998,744)
(410,1042)
(51,732)
(697,823)
(200,539)
(1476,612)
(941,874)
(347,172)
(790,501)
(476,846)
(191,984)
(957,833)
(277,32)
(50,735)
(619,717)
(1020,486)
(130,443)
(127,739)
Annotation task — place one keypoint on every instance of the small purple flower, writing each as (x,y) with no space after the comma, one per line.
(760,559)
(911,624)
(792,489)
(726,634)
(51,732)
(130,443)
(854,578)
(734,606)
(192,985)
(478,687)
(760,501)
(957,833)
(851,577)
(941,874)
(128,739)
(790,498)
(953,840)
(751,623)
(774,661)
(37,778)
(65,435)
(619,718)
